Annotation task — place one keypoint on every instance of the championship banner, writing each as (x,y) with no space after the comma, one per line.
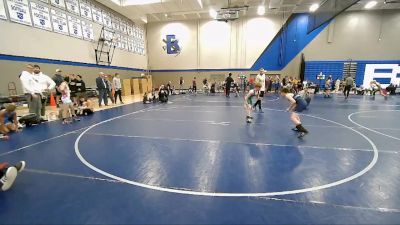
(97,17)
(108,36)
(3,14)
(19,11)
(74,25)
(129,30)
(117,40)
(58,3)
(72,6)
(115,22)
(130,44)
(106,19)
(41,16)
(124,43)
(122,27)
(87,29)
(86,10)
(59,20)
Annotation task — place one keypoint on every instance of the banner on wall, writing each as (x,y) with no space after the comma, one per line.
(41,16)
(72,6)
(383,73)
(124,43)
(74,25)
(130,44)
(106,19)
(108,36)
(59,20)
(87,29)
(129,30)
(97,17)
(45,1)
(115,22)
(86,10)
(19,11)
(3,14)
(58,3)
(117,40)
(122,26)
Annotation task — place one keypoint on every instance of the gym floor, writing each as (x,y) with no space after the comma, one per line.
(196,161)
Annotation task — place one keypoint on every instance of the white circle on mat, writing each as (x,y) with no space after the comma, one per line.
(229,194)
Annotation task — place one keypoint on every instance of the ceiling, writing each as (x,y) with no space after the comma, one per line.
(168,10)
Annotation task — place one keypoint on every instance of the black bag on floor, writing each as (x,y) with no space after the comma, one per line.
(29,120)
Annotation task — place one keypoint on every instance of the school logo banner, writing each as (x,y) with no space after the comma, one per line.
(19,11)
(383,73)
(40,16)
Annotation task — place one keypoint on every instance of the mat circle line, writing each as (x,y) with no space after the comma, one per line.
(228,194)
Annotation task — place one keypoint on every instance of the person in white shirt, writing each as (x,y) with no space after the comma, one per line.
(46,84)
(117,88)
(261,80)
(32,89)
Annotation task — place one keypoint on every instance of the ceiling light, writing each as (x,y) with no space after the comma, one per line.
(213,13)
(370,4)
(314,7)
(139,2)
(261,10)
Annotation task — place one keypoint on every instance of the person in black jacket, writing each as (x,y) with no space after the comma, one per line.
(80,87)
(102,87)
(228,82)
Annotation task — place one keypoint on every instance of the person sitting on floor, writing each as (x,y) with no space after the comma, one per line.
(85,106)
(163,95)
(146,99)
(8,121)
(8,174)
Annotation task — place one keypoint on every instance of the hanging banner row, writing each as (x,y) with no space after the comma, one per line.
(19,13)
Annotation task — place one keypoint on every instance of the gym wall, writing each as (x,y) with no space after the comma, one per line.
(352,35)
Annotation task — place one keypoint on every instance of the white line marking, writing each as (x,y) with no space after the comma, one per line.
(40,142)
(223,123)
(71,175)
(244,143)
(349,117)
(224,194)
(333,205)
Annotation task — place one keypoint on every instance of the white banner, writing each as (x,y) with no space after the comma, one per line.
(74,25)
(45,1)
(87,29)
(72,6)
(130,44)
(115,22)
(122,27)
(58,3)
(3,14)
(97,17)
(129,30)
(59,20)
(124,42)
(117,40)
(106,19)
(40,16)
(381,72)
(19,11)
(108,36)
(86,10)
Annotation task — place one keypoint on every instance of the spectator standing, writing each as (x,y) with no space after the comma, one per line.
(102,88)
(118,88)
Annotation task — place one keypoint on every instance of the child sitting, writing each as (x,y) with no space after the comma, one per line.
(85,106)
(8,121)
